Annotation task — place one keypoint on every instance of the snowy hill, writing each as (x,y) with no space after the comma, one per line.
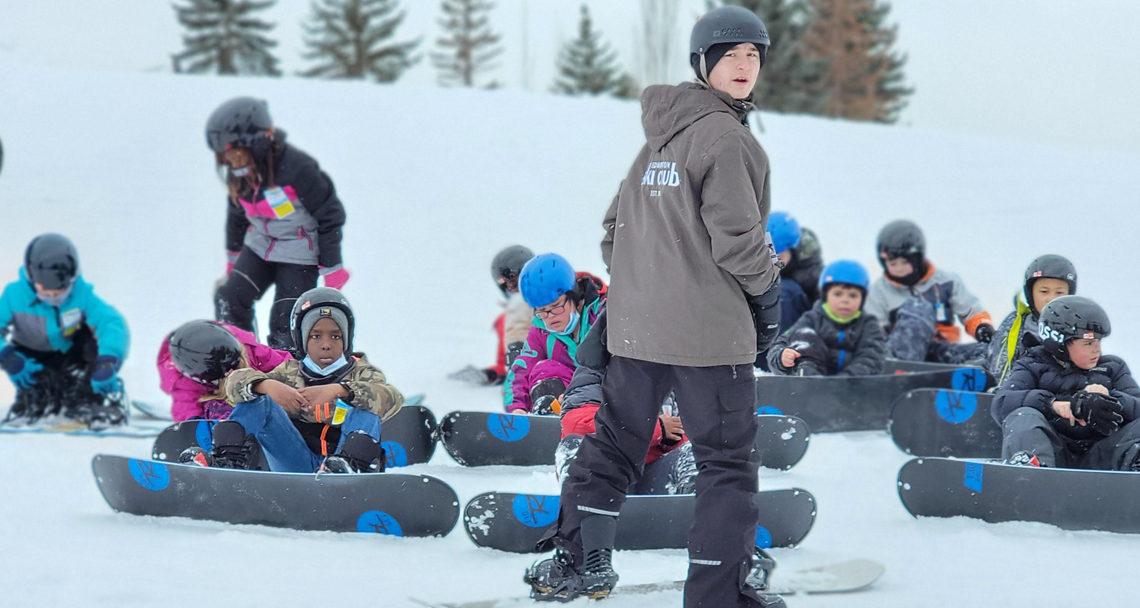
(435,183)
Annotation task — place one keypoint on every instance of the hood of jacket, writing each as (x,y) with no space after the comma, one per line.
(667,110)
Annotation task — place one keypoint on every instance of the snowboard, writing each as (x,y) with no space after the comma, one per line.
(408,438)
(900,366)
(1071,499)
(480,438)
(377,503)
(852,403)
(159,412)
(935,422)
(516,522)
(66,426)
(843,577)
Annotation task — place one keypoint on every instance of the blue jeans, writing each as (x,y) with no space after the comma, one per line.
(282,443)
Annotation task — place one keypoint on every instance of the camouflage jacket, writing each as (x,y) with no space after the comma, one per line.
(366,383)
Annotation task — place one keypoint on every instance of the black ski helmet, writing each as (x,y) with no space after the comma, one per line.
(508,264)
(52,261)
(241,122)
(730,25)
(1049,267)
(902,239)
(1071,318)
(317,297)
(204,351)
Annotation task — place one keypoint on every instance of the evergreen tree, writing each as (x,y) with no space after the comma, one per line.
(791,81)
(470,44)
(226,36)
(347,38)
(586,64)
(864,80)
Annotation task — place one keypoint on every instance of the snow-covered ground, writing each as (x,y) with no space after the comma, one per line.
(435,182)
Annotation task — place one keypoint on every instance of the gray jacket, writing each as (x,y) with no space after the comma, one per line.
(685,236)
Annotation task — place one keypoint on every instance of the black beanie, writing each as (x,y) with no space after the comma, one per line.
(712,56)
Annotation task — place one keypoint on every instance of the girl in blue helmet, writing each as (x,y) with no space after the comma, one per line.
(566,304)
(835,337)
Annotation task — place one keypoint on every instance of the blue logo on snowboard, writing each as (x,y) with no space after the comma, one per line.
(535,511)
(204,434)
(150,475)
(508,427)
(956,407)
(763,538)
(768,410)
(395,454)
(378,522)
(968,379)
(973,479)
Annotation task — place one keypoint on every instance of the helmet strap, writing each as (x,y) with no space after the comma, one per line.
(704,71)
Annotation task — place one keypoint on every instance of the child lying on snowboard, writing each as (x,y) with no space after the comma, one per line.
(918,303)
(669,466)
(565,305)
(190,366)
(320,413)
(835,337)
(66,344)
(1066,405)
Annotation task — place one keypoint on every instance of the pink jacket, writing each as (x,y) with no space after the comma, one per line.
(187,392)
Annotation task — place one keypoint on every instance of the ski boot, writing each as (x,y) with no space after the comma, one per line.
(233,449)
(359,453)
(756,584)
(1024,459)
(555,579)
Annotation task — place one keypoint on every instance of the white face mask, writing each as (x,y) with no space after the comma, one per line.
(240,171)
(58,299)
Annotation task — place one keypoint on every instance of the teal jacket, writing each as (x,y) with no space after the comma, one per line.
(32,323)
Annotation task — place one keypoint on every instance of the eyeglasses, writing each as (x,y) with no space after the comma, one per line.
(553,310)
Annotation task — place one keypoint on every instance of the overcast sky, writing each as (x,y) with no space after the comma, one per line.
(1050,71)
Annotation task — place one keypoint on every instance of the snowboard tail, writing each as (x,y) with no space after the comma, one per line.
(938,422)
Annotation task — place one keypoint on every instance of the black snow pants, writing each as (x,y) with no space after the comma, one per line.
(1027,430)
(248,281)
(63,386)
(720,421)
(912,338)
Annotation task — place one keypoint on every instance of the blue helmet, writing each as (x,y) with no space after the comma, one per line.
(545,278)
(785,231)
(848,272)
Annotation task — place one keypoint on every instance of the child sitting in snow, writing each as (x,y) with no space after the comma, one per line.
(565,306)
(320,413)
(1064,404)
(1047,278)
(64,345)
(194,358)
(798,250)
(917,303)
(835,337)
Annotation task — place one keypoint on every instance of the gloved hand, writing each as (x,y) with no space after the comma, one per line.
(514,349)
(21,369)
(984,333)
(1103,413)
(104,379)
(592,352)
(231,259)
(766,314)
(335,277)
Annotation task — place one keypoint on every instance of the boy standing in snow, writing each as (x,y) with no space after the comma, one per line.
(319,413)
(1047,278)
(918,303)
(1065,404)
(64,345)
(835,337)
(695,294)
(284,222)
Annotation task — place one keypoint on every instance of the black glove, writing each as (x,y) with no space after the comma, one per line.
(1103,413)
(592,352)
(766,315)
(984,333)
(514,349)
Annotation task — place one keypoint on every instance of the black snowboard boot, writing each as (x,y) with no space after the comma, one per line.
(544,394)
(683,477)
(359,453)
(1131,460)
(233,449)
(1024,459)
(756,583)
(555,579)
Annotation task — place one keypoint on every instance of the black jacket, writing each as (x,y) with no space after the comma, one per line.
(1038,378)
(806,264)
(857,348)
